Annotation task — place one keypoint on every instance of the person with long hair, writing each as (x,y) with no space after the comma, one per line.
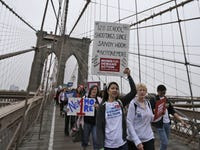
(139,118)
(90,121)
(111,122)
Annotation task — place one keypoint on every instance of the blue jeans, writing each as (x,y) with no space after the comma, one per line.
(123,147)
(164,135)
(89,128)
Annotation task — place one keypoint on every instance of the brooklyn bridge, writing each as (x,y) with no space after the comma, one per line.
(53,44)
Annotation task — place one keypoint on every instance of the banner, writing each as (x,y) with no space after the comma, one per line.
(69,84)
(110,47)
(160,108)
(70,94)
(81,106)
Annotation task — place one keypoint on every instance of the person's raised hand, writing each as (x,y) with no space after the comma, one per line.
(127,71)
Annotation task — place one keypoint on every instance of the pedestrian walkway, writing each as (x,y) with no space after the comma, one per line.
(58,141)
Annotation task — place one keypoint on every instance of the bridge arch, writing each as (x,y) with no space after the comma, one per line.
(63,47)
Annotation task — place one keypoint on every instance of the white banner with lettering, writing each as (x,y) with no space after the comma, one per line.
(110,48)
(80,106)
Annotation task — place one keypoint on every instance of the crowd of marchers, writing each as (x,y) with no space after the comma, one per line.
(119,122)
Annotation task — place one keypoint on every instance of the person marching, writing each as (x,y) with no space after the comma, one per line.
(62,100)
(163,125)
(71,120)
(90,121)
(111,122)
(139,118)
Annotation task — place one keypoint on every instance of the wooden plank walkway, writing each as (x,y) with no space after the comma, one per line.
(62,142)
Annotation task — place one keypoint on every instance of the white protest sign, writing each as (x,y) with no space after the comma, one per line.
(81,106)
(110,47)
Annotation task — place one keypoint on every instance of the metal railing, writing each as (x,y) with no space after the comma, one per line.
(189,135)
(16,120)
(12,97)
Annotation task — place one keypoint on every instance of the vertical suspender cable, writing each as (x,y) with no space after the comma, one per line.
(173,45)
(48,74)
(138,42)
(119,22)
(100,10)
(119,10)
(185,58)
(145,54)
(163,65)
(44,15)
(65,17)
(106,77)
(153,46)
(59,11)
(106,10)
(91,22)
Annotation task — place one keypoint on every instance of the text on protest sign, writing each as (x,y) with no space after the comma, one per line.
(110,47)
(81,106)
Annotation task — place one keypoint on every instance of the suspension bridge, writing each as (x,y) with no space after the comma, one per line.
(50,43)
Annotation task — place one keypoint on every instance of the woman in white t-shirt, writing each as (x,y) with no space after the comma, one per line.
(111,122)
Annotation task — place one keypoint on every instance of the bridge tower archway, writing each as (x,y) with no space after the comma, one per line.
(63,47)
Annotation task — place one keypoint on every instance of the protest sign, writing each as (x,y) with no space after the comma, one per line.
(110,47)
(160,108)
(90,84)
(70,94)
(81,106)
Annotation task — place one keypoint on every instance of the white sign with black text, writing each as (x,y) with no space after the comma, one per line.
(110,48)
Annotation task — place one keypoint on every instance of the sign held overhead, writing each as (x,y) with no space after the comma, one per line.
(110,47)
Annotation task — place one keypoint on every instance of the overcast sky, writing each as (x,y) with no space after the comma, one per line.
(160,41)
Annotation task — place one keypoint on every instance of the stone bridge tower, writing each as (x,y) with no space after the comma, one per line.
(65,47)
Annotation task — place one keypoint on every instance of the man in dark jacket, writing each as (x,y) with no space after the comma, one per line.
(163,125)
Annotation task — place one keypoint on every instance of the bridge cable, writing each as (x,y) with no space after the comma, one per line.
(173,47)
(169,60)
(167,65)
(144,10)
(47,82)
(100,10)
(138,40)
(54,10)
(119,22)
(168,74)
(162,12)
(83,10)
(185,57)
(10,9)
(65,16)
(145,54)
(135,14)
(44,15)
(106,77)
(153,43)
(152,77)
(124,10)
